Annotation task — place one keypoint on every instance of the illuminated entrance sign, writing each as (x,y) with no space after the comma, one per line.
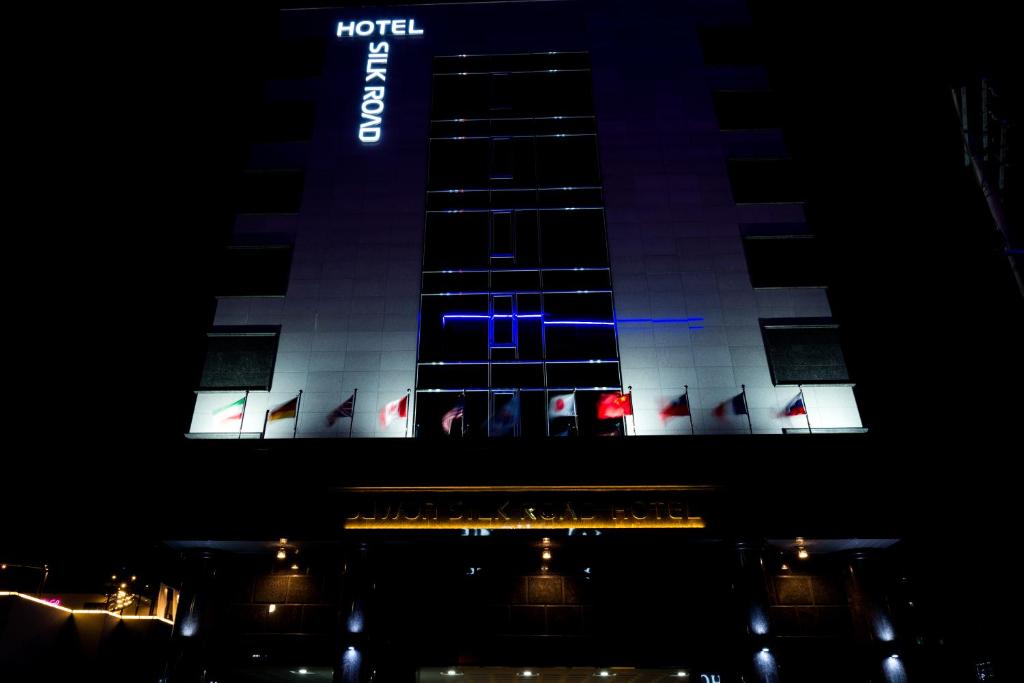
(372,105)
(585,507)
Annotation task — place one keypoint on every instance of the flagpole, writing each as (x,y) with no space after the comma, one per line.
(266,417)
(517,430)
(807,415)
(352,418)
(547,407)
(632,411)
(245,404)
(298,402)
(746,407)
(408,409)
(575,413)
(689,408)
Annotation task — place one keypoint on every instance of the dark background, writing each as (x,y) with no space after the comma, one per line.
(130,127)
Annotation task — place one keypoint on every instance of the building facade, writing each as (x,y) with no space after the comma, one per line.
(493,206)
(518,286)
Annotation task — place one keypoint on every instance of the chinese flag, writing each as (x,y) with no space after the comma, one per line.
(614,405)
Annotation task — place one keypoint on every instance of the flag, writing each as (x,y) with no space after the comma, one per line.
(344,410)
(795,407)
(394,410)
(285,410)
(452,415)
(506,419)
(737,405)
(563,405)
(232,411)
(614,405)
(677,408)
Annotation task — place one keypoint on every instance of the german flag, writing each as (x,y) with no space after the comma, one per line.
(285,410)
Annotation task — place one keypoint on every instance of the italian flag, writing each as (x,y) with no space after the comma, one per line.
(232,411)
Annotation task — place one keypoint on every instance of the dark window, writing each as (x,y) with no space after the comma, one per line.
(298,59)
(745,110)
(730,45)
(502,235)
(803,351)
(501,158)
(285,122)
(240,358)
(254,271)
(790,261)
(765,181)
(271,192)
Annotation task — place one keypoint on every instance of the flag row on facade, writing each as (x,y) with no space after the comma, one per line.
(229,413)
(610,405)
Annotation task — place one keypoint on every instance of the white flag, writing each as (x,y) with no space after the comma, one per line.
(563,405)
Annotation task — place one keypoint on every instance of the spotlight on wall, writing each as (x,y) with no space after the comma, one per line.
(295,567)
(271,608)
(784,567)
(281,554)
(802,553)
(546,555)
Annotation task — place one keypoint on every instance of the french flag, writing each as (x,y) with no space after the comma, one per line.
(737,405)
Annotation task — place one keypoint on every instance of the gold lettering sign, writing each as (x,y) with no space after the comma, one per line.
(610,507)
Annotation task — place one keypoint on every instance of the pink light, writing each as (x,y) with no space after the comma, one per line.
(54,601)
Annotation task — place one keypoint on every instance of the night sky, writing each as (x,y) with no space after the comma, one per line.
(135,127)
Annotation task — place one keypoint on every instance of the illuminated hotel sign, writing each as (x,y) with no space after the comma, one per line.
(372,106)
(513,508)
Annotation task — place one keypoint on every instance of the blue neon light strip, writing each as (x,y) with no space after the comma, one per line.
(626,321)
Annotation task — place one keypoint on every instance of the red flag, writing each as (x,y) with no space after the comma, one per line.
(393,411)
(614,405)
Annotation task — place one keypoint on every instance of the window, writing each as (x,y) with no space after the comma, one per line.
(298,58)
(726,45)
(271,191)
(240,358)
(804,351)
(764,181)
(746,110)
(254,271)
(285,122)
(784,261)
